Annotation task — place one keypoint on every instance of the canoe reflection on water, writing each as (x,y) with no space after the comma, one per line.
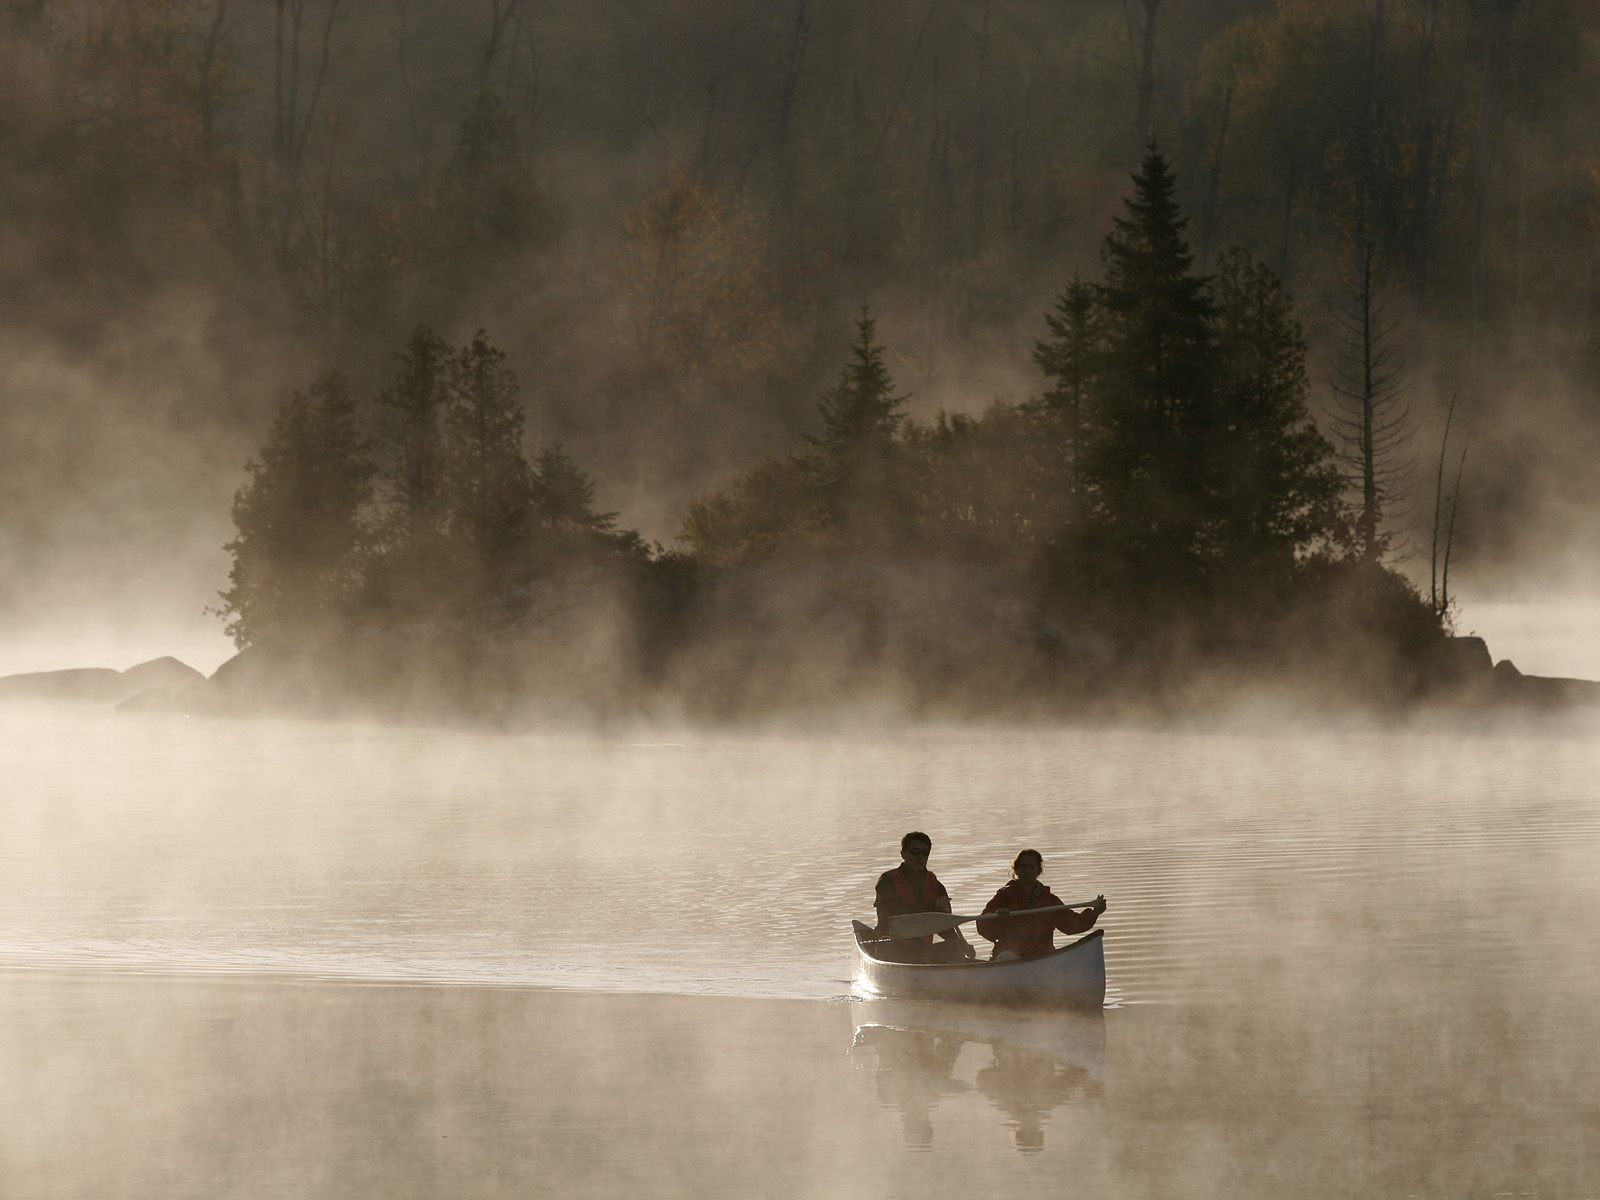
(1026,1064)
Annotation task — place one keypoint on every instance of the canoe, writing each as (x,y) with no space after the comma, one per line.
(1072,976)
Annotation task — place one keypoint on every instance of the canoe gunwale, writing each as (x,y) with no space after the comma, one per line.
(977,964)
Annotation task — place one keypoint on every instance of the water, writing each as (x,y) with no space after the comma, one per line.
(262,958)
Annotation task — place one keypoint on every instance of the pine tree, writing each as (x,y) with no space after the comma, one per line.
(563,492)
(1070,360)
(414,479)
(1279,487)
(297,555)
(490,480)
(852,461)
(1148,461)
(563,498)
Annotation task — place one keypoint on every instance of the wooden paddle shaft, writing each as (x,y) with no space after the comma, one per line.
(925,924)
(1028,912)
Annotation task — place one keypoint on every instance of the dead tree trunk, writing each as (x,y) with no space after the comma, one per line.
(1371,420)
(207,75)
(291,127)
(1142,43)
(1434,547)
(783,173)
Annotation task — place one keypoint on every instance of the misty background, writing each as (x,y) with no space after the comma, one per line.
(667,214)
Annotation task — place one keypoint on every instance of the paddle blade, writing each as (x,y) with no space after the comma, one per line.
(910,925)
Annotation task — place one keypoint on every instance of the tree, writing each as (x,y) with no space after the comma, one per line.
(704,319)
(297,555)
(1148,464)
(1142,39)
(765,511)
(988,487)
(852,460)
(489,477)
(488,204)
(563,498)
(415,476)
(1371,417)
(1279,485)
(1443,538)
(292,123)
(1070,360)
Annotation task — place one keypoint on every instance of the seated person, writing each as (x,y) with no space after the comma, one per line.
(912,888)
(1029,937)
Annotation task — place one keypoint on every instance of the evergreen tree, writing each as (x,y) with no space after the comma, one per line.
(563,495)
(297,555)
(1155,421)
(1070,359)
(1279,487)
(852,460)
(414,479)
(490,480)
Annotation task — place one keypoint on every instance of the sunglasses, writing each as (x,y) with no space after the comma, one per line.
(916,853)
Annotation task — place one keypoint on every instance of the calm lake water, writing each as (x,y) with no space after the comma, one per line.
(281,959)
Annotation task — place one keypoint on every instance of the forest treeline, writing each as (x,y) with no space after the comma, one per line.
(1163,514)
(665,211)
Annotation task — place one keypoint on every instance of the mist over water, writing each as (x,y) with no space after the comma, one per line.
(265,958)
(1365,945)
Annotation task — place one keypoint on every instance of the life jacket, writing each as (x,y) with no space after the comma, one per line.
(913,896)
(1027,937)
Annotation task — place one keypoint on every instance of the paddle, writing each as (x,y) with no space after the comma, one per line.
(910,925)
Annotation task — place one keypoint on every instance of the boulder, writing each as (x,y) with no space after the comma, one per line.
(100,684)
(1551,691)
(164,672)
(83,683)
(1465,658)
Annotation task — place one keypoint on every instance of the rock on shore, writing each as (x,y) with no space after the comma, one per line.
(160,677)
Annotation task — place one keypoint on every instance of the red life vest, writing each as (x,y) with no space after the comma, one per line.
(1029,937)
(912,896)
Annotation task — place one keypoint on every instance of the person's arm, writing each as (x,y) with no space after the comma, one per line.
(1072,921)
(881,900)
(942,904)
(991,929)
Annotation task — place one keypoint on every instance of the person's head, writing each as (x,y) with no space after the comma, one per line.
(1027,866)
(915,848)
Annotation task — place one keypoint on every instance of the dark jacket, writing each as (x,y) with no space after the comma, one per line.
(1029,937)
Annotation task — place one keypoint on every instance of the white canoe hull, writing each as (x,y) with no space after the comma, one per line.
(1073,976)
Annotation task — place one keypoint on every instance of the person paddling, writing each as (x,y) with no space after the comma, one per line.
(1029,937)
(912,888)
